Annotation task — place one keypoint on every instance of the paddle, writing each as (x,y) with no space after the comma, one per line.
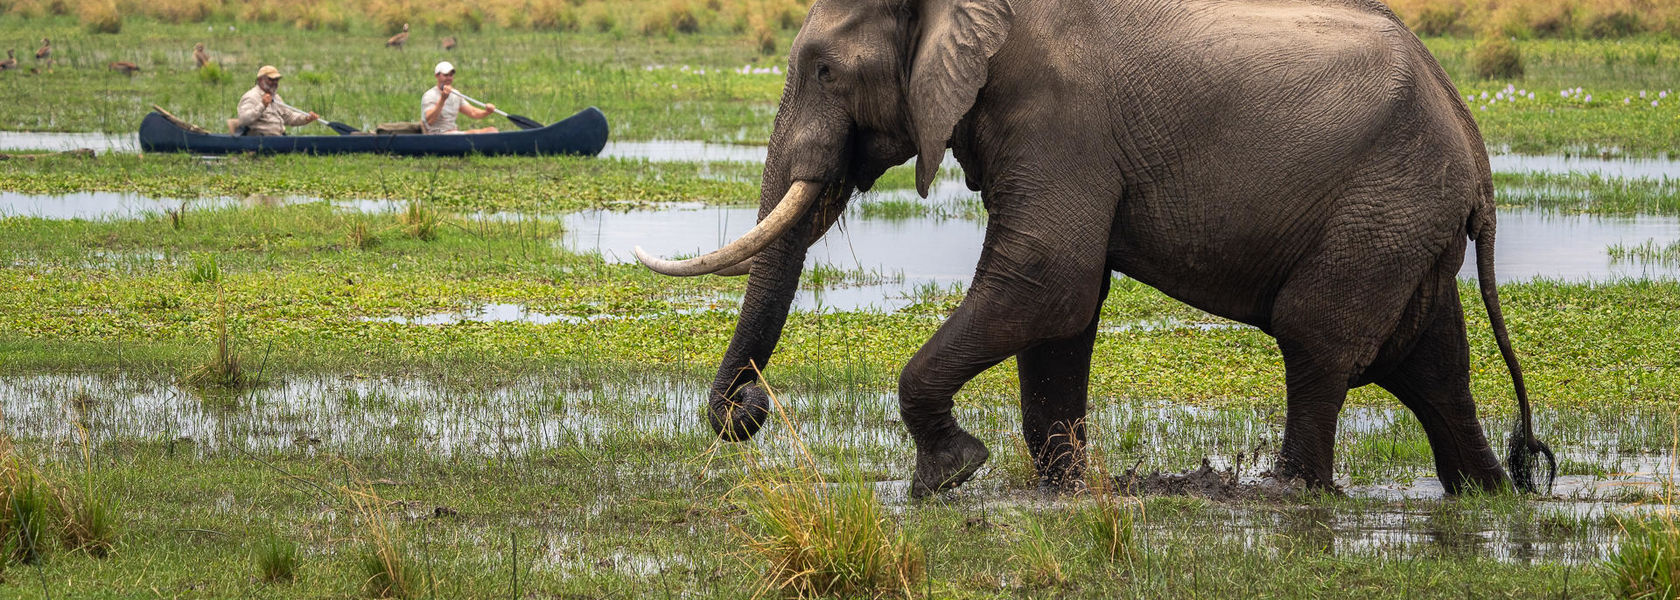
(341,128)
(522,122)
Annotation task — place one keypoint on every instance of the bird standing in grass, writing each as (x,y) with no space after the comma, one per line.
(125,67)
(398,40)
(46,50)
(10,62)
(200,56)
(449,43)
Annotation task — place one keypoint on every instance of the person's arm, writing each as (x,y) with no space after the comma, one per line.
(429,113)
(250,108)
(476,112)
(295,117)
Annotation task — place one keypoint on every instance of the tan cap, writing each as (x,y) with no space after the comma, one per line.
(268,71)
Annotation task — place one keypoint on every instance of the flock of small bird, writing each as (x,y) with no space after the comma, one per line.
(43,56)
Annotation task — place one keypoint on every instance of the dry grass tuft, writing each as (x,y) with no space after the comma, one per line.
(100,16)
(820,537)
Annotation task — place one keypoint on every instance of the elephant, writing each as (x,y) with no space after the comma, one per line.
(1303,167)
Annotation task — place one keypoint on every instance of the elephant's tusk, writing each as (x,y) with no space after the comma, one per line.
(737,269)
(793,205)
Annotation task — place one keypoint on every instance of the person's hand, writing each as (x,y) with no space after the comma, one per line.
(312,118)
(490,107)
(267,98)
(446,90)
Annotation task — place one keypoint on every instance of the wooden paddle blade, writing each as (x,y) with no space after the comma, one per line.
(525,122)
(341,128)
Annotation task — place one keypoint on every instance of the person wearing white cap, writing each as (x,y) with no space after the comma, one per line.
(440,104)
(262,112)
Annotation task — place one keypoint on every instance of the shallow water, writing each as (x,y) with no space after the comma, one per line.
(695,151)
(942,253)
(1655,168)
(428,421)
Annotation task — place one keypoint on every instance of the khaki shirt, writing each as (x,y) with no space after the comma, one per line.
(445,122)
(266,120)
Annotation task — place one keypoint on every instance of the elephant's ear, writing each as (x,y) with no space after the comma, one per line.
(958,37)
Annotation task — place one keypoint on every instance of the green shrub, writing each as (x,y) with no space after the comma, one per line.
(1497,57)
(213,74)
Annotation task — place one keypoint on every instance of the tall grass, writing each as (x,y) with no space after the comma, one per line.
(1540,18)
(1646,565)
(385,559)
(823,537)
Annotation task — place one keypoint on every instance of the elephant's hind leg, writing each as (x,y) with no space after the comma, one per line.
(1433,380)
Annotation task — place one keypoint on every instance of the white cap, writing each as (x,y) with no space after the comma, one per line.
(443,67)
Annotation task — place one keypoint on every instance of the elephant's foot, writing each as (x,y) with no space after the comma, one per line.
(738,417)
(947,464)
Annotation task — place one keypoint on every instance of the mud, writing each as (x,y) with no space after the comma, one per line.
(1205,481)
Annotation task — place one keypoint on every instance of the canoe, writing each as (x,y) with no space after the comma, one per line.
(584,133)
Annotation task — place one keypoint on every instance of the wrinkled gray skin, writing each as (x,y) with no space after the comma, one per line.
(1303,167)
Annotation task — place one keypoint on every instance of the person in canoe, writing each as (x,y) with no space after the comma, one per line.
(440,104)
(262,112)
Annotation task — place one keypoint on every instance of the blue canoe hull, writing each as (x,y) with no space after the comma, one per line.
(584,133)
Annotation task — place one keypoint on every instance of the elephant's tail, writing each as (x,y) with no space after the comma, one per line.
(1523,446)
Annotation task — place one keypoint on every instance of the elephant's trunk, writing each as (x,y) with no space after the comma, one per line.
(737,406)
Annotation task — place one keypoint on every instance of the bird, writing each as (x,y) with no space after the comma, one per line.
(200,55)
(449,43)
(10,62)
(398,40)
(46,50)
(125,67)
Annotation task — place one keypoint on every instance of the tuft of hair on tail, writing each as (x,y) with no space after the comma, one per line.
(1521,457)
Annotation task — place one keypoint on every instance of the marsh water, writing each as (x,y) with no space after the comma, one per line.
(693,151)
(525,417)
(892,262)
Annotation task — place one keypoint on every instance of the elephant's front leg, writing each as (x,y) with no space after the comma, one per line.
(1055,387)
(1040,279)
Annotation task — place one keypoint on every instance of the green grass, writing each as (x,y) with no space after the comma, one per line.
(647,92)
(642,86)
(277,559)
(1647,564)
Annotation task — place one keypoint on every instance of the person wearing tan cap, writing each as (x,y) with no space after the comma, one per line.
(262,112)
(440,103)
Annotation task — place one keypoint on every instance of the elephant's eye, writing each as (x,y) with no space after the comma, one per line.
(823,74)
